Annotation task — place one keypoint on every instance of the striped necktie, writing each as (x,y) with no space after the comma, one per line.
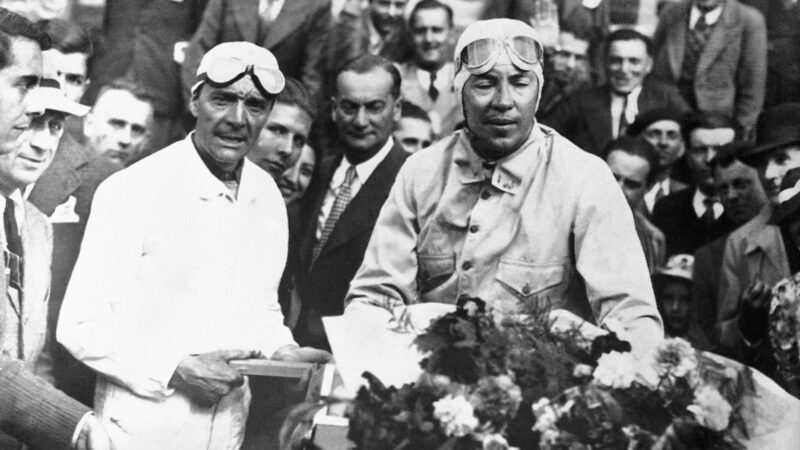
(339,205)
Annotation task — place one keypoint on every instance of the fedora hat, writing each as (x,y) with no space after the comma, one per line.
(776,127)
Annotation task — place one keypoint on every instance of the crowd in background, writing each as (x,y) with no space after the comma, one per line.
(692,104)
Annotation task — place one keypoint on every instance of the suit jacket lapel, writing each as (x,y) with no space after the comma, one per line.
(677,39)
(291,15)
(720,38)
(62,178)
(361,213)
(246,15)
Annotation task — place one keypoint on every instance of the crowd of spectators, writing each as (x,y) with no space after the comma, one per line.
(693,104)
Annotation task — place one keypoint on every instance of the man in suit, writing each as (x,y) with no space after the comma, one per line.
(507,210)
(662,128)
(742,197)
(593,117)
(715,52)
(344,200)
(296,32)
(755,256)
(144,40)
(32,411)
(428,76)
(694,217)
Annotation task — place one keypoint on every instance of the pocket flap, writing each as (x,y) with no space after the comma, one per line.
(526,278)
(435,266)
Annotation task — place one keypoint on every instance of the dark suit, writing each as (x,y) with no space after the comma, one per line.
(297,37)
(732,70)
(685,232)
(139,38)
(705,289)
(322,288)
(73,173)
(585,116)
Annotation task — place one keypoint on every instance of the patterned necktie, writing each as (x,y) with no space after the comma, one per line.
(339,205)
(433,93)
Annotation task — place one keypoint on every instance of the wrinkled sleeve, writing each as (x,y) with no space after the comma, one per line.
(751,74)
(611,262)
(90,325)
(389,270)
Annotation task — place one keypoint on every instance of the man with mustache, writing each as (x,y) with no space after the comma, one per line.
(506,209)
(592,118)
(428,77)
(694,217)
(755,255)
(179,270)
(343,201)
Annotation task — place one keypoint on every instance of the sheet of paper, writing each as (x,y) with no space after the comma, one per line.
(363,340)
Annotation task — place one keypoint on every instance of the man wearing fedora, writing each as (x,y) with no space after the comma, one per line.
(755,255)
(179,279)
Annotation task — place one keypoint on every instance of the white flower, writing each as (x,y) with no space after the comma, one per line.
(456,415)
(710,409)
(582,370)
(616,370)
(546,416)
(675,357)
(494,442)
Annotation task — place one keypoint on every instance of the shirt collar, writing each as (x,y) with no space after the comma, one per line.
(363,170)
(711,16)
(442,75)
(509,172)
(19,206)
(699,206)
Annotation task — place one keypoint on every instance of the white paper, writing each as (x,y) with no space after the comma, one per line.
(363,340)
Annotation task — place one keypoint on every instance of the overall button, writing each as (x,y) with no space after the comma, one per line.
(466,266)
(485,195)
(474,229)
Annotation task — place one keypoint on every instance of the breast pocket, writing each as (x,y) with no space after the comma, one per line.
(527,282)
(434,270)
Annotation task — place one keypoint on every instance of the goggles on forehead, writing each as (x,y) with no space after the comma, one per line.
(225,72)
(479,56)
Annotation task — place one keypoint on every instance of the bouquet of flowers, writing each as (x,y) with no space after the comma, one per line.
(784,331)
(522,384)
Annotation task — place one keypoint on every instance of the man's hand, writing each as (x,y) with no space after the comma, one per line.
(207,377)
(292,352)
(93,436)
(754,314)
